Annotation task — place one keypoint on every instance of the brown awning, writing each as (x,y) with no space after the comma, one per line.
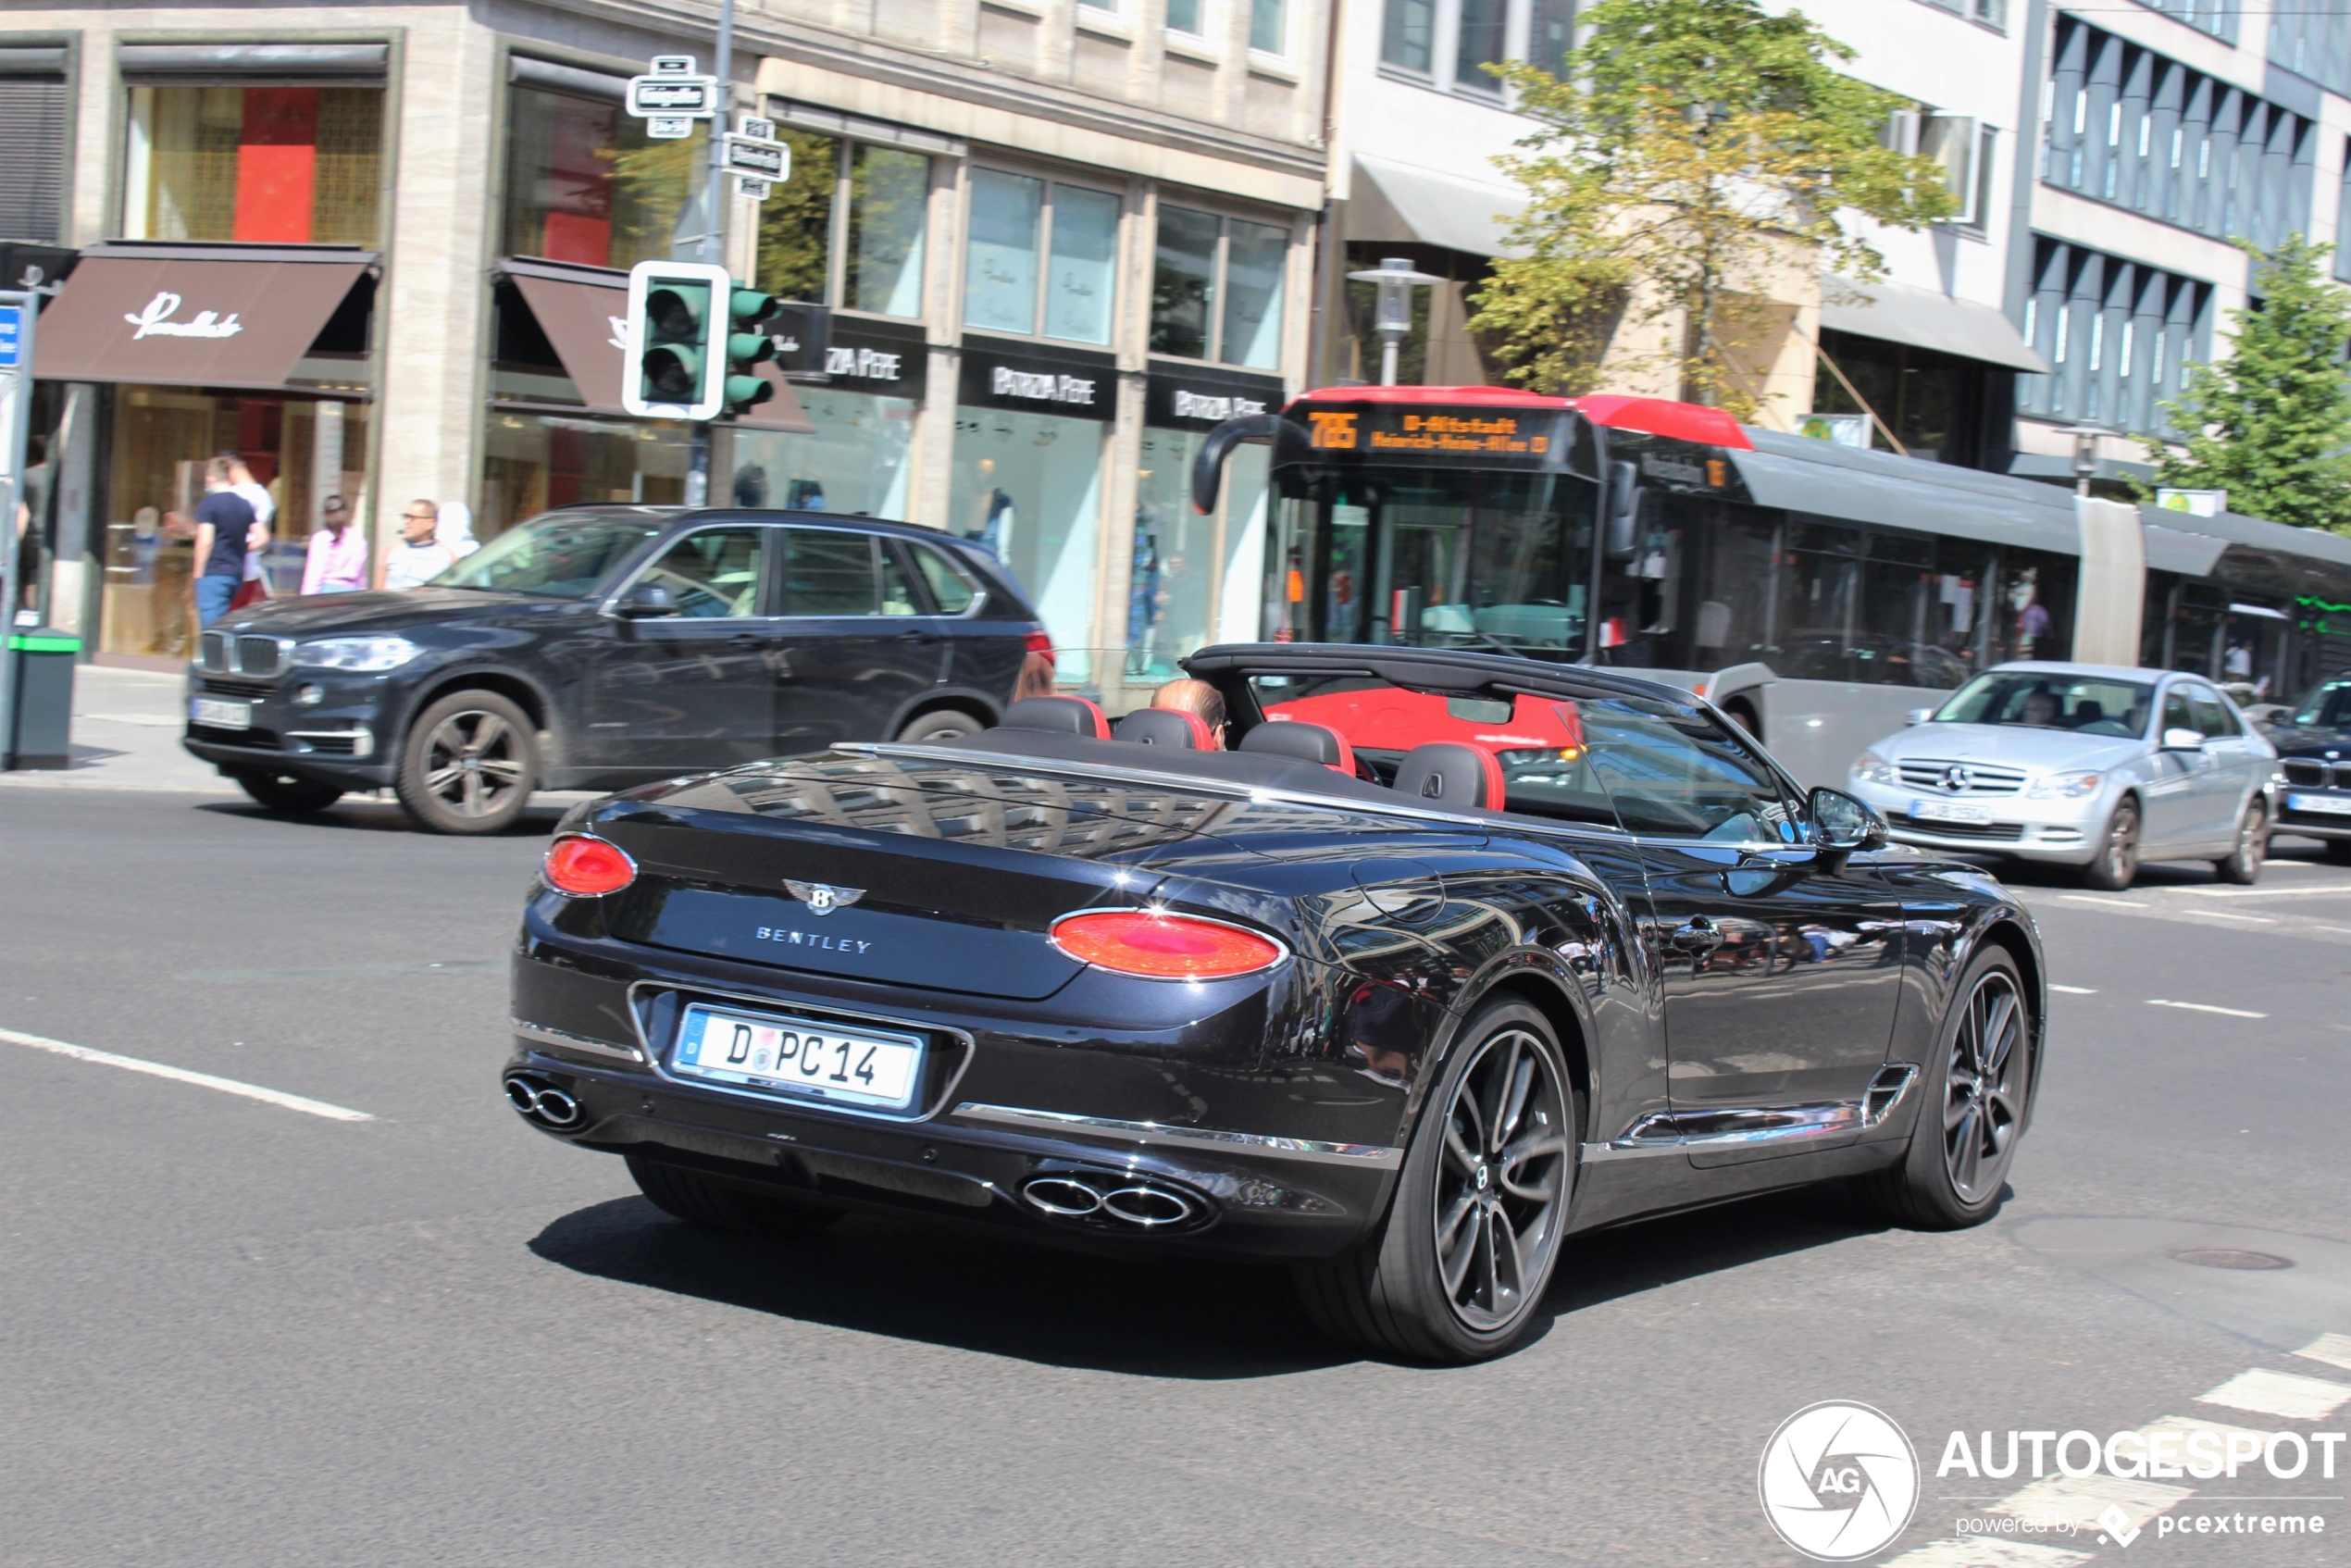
(588,324)
(179,321)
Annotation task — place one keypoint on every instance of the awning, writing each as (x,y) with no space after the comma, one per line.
(1394,200)
(586,320)
(1828,481)
(1899,314)
(183,316)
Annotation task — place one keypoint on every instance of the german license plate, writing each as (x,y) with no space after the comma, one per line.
(2330,805)
(799,1057)
(1947,811)
(217,714)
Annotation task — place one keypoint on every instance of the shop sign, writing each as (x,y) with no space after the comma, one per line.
(1188,399)
(1081,387)
(155,321)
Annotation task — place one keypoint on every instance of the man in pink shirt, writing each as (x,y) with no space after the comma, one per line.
(338,559)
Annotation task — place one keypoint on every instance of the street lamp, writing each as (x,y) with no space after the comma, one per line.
(1392,316)
(2086,456)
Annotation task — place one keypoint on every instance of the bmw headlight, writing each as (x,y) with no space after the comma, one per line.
(1871,768)
(365,655)
(2065,786)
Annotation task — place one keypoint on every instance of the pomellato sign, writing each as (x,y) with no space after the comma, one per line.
(154,321)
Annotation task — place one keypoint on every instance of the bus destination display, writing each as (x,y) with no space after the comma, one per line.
(1485,434)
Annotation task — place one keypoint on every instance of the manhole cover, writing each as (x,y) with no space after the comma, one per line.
(2228,1257)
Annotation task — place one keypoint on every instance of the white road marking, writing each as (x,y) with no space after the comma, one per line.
(182,1075)
(1987,1552)
(2333,1349)
(2079,1499)
(2075,990)
(2206,1007)
(2224,914)
(2286,1394)
(2101,902)
(2340,889)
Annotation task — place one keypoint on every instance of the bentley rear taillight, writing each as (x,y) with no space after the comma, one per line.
(1157,946)
(586,867)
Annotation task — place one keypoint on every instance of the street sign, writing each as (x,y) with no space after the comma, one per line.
(11,335)
(761,160)
(674,65)
(668,128)
(756,129)
(757,190)
(695,97)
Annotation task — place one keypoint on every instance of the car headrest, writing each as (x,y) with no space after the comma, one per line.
(1063,715)
(1308,743)
(1443,773)
(1164,727)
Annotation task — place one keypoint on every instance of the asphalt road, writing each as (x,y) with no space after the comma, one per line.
(236,1332)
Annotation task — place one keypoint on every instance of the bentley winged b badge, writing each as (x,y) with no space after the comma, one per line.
(822,898)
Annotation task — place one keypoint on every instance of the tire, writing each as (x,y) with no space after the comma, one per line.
(940,724)
(712,1206)
(288,795)
(1389,1294)
(2118,859)
(440,790)
(2243,865)
(1943,1181)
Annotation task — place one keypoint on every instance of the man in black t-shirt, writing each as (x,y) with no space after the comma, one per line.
(224,525)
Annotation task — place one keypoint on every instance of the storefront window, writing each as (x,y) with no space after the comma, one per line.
(1194,581)
(858,462)
(1002,278)
(889,196)
(274,165)
(533,462)
(1200,259)
(584,183)
(1027,486)
(883,193)
(796,220)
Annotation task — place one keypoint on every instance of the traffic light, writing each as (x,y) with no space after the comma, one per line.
(747,345)
(676,341)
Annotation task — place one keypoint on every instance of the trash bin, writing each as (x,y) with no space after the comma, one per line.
(42,712)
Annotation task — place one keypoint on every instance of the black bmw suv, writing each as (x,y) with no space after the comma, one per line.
(598,647)
(2314,755)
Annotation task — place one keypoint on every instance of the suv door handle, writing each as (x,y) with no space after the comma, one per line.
(1697,935)
(746,640)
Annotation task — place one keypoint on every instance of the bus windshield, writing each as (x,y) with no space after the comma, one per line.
(2045,700)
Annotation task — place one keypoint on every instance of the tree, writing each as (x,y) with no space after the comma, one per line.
(2271,423)
(1697,154)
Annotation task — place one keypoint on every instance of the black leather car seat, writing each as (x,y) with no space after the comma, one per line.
(1164,727)
(1307,742)
(1063,715)
(1446,774)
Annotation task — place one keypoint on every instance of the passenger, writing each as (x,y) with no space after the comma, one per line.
(1201,699)
(2041,706)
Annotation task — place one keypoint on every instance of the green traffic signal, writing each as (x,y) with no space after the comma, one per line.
(747,392)
(748,346)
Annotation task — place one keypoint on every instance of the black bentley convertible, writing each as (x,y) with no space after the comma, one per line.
(1419,964)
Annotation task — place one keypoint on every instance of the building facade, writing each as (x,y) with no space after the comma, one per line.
(1037,250)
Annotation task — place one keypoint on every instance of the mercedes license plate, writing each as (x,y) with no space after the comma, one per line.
(1947,811)
(799,1057)
(2330,805)
(217,714)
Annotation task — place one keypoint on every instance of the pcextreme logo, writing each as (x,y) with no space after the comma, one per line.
(1838,1481)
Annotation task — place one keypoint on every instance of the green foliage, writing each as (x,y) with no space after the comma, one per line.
(2271,423)
(1696,151)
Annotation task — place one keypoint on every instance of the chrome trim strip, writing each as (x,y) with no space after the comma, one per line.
(1360,1155)
(1887,1090)
(1668,1132)
(540,1034)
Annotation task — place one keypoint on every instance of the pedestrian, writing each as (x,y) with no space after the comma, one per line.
(225,527)
(338,559)
(456,530)
(265,513)
(418,557)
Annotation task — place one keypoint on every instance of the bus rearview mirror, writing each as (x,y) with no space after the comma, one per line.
(1623,510)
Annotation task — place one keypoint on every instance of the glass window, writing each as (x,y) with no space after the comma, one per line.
(1000,275)
(897,588)
(557,556)
(532,463)
(1254,261)
(1669,771)
(1085,258)
(1027,488)
(2176,712)
(796,220)
(1551,35)
(1183,16)
(1195,580)
(828,573)
(712,574)
(1479,43)
(283,164)
(2048,700)
(857,462)
(889,200)
(2211,716)
(38,110)
(1408,34)
(950,589)
(1268,28)
(584,183)
(1183,283)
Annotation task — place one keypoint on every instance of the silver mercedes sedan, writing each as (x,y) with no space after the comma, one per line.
(2091,765)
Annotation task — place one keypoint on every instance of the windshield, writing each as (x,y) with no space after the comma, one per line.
(2050,700)
(2328,704)
(556,556)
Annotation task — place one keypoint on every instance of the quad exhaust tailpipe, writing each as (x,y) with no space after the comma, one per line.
(1112,1201)
(542,1104)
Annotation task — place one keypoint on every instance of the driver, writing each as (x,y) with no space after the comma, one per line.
(1201,699)
(2041,706)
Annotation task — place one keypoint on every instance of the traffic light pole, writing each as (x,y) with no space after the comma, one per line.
(714,227)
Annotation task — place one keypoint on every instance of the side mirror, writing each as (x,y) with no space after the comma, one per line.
(645,601)
(1842,824)
(2183,740)
(1624,493)
(1918,716)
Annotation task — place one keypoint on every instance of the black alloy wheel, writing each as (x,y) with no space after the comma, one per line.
(2118,858)
(940,724)
(715,1205)
(288,795)
(468,764)
(2242,865)
(1458,1266)
(1972,1111)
